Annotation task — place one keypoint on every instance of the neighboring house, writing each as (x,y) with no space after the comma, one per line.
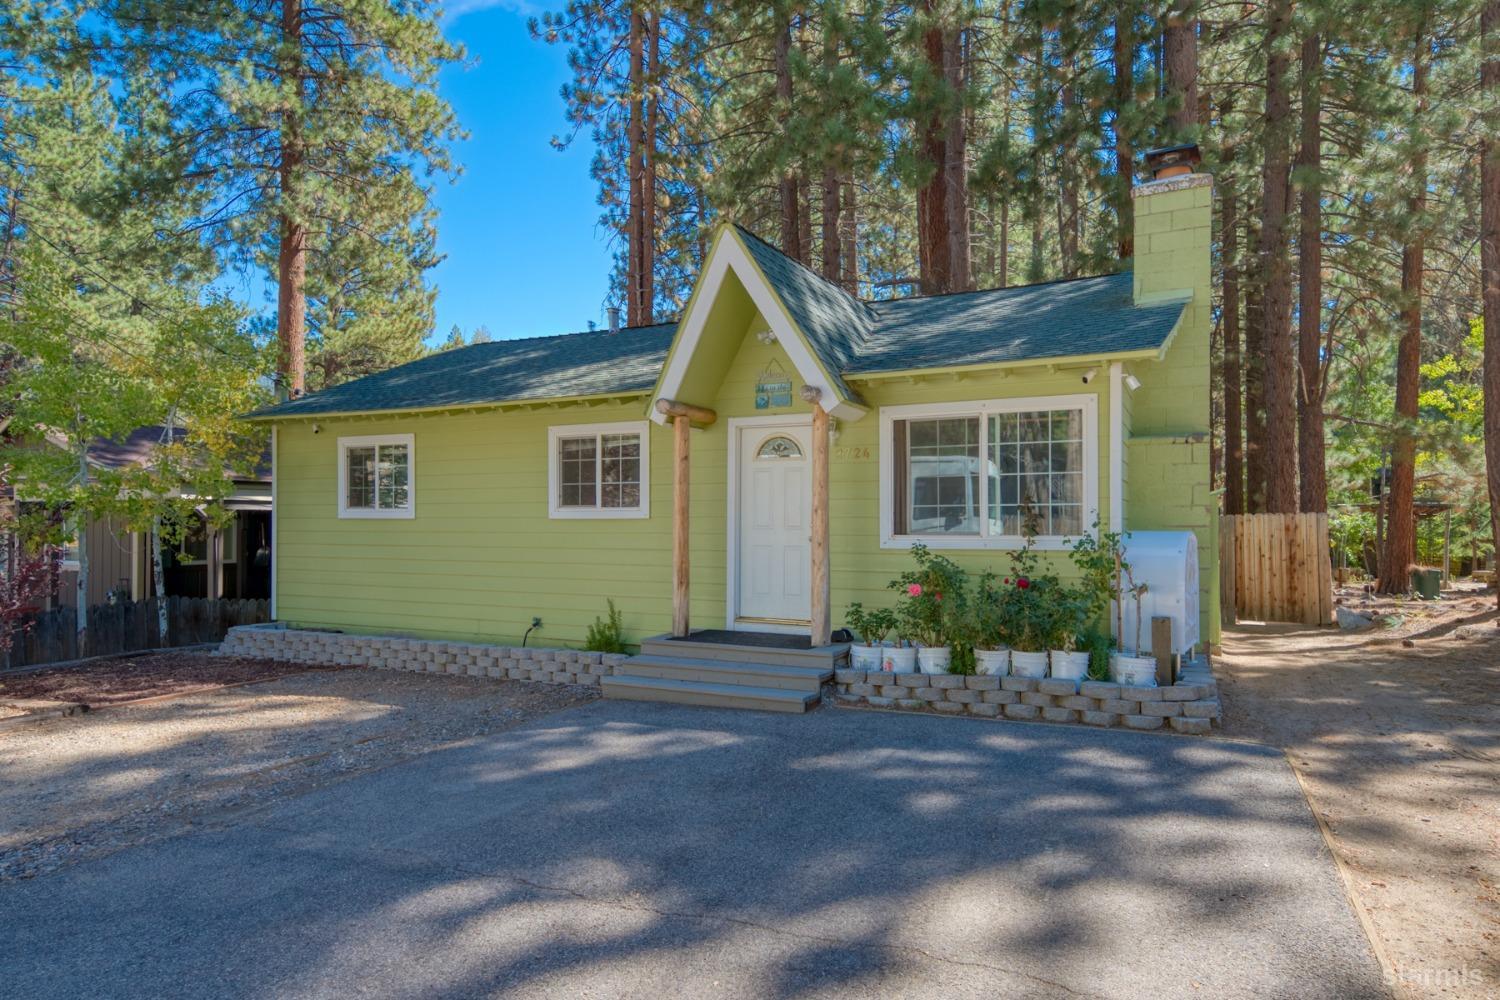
(462,494)
(233,562)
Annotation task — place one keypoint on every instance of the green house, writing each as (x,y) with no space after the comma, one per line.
(759,464)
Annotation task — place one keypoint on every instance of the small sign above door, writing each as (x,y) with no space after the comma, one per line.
(773,387)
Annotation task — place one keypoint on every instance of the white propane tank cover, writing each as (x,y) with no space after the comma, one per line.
(1167,563)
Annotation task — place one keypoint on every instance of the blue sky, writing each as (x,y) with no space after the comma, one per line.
(524,253)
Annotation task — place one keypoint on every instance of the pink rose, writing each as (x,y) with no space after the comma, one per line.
(914,590)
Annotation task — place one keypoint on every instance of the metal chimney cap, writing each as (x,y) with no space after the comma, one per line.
(614,319)
(1172,161)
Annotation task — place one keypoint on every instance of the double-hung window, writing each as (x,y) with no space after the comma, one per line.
(599,470)
(376,474)
(966,475)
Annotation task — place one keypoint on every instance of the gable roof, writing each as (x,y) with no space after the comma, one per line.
(572,364)
(1081,317)
(834,322)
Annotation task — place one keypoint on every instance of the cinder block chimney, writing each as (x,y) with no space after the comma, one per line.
(1173,226)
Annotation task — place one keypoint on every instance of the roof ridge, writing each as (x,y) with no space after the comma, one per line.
(606,332)
(1001,288)
(794,261)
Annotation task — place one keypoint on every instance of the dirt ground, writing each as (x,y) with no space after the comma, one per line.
(88,785)
(129,678)
(1395,733)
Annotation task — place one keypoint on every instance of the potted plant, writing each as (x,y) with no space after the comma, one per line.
(1027,602)
(986,629)
(1106,579)
(930,607)
(1069,659)
(872,627)
(899,657)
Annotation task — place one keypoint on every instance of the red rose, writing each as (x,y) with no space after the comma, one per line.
(1023,583)
(1007,581)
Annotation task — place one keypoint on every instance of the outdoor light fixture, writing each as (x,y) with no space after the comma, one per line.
(766,337)
(1088,376)
(1132,383)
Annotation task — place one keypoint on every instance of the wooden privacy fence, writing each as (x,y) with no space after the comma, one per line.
(127,626)
(1276,568)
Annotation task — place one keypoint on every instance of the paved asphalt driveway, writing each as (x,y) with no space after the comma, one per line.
(625,849)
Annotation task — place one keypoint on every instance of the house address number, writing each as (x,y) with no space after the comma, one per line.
(850,454)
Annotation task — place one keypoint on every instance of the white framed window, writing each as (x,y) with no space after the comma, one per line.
(377,476)
(960,475)
(599,470)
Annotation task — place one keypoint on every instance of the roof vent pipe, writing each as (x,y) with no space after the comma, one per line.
(614,319)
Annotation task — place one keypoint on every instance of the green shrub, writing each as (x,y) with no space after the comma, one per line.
(607,636)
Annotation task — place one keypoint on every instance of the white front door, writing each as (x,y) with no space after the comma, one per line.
(774,508)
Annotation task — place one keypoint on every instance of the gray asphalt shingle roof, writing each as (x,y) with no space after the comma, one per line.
(1083,316)
(1053,320)
(571,364)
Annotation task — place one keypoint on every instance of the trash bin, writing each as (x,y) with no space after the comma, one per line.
(1427,583)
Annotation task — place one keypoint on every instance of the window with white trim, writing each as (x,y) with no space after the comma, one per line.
(376,475)
(599,470)
(962,475)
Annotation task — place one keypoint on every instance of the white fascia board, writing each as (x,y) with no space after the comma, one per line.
(729,254)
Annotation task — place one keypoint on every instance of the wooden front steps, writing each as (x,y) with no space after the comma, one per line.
(726,674)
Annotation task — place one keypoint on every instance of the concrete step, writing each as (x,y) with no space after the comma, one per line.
(766,675)
(819,657)
(703,693)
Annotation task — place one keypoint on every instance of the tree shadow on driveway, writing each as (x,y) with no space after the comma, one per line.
(626,849)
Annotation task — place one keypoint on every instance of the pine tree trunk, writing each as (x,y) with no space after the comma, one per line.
(1004,271)
(791,224)
(1253,371)
(1234,448)
(1067,208)
(831,236)
(1280,453)
(803,252)
(291,257)
(1124,97)
(1489,208)
(849,235)
(648,172)
(1180,54)
(1312,474)
(956,165)
(635,138)
(935,267)
(1401,528)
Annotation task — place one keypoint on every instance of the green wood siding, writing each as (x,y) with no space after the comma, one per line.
(481,556)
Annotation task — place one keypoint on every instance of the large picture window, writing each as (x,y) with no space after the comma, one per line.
(963,475)
(376,476)
(599,470)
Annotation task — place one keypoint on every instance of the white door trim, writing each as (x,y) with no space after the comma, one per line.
(732,550)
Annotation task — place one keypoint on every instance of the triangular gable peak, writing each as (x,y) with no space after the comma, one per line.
(731,288)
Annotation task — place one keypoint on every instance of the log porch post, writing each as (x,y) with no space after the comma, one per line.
(683,416)
(821,615)
(680,429)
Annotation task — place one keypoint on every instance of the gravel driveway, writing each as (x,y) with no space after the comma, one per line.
(87,785)
(637,850)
